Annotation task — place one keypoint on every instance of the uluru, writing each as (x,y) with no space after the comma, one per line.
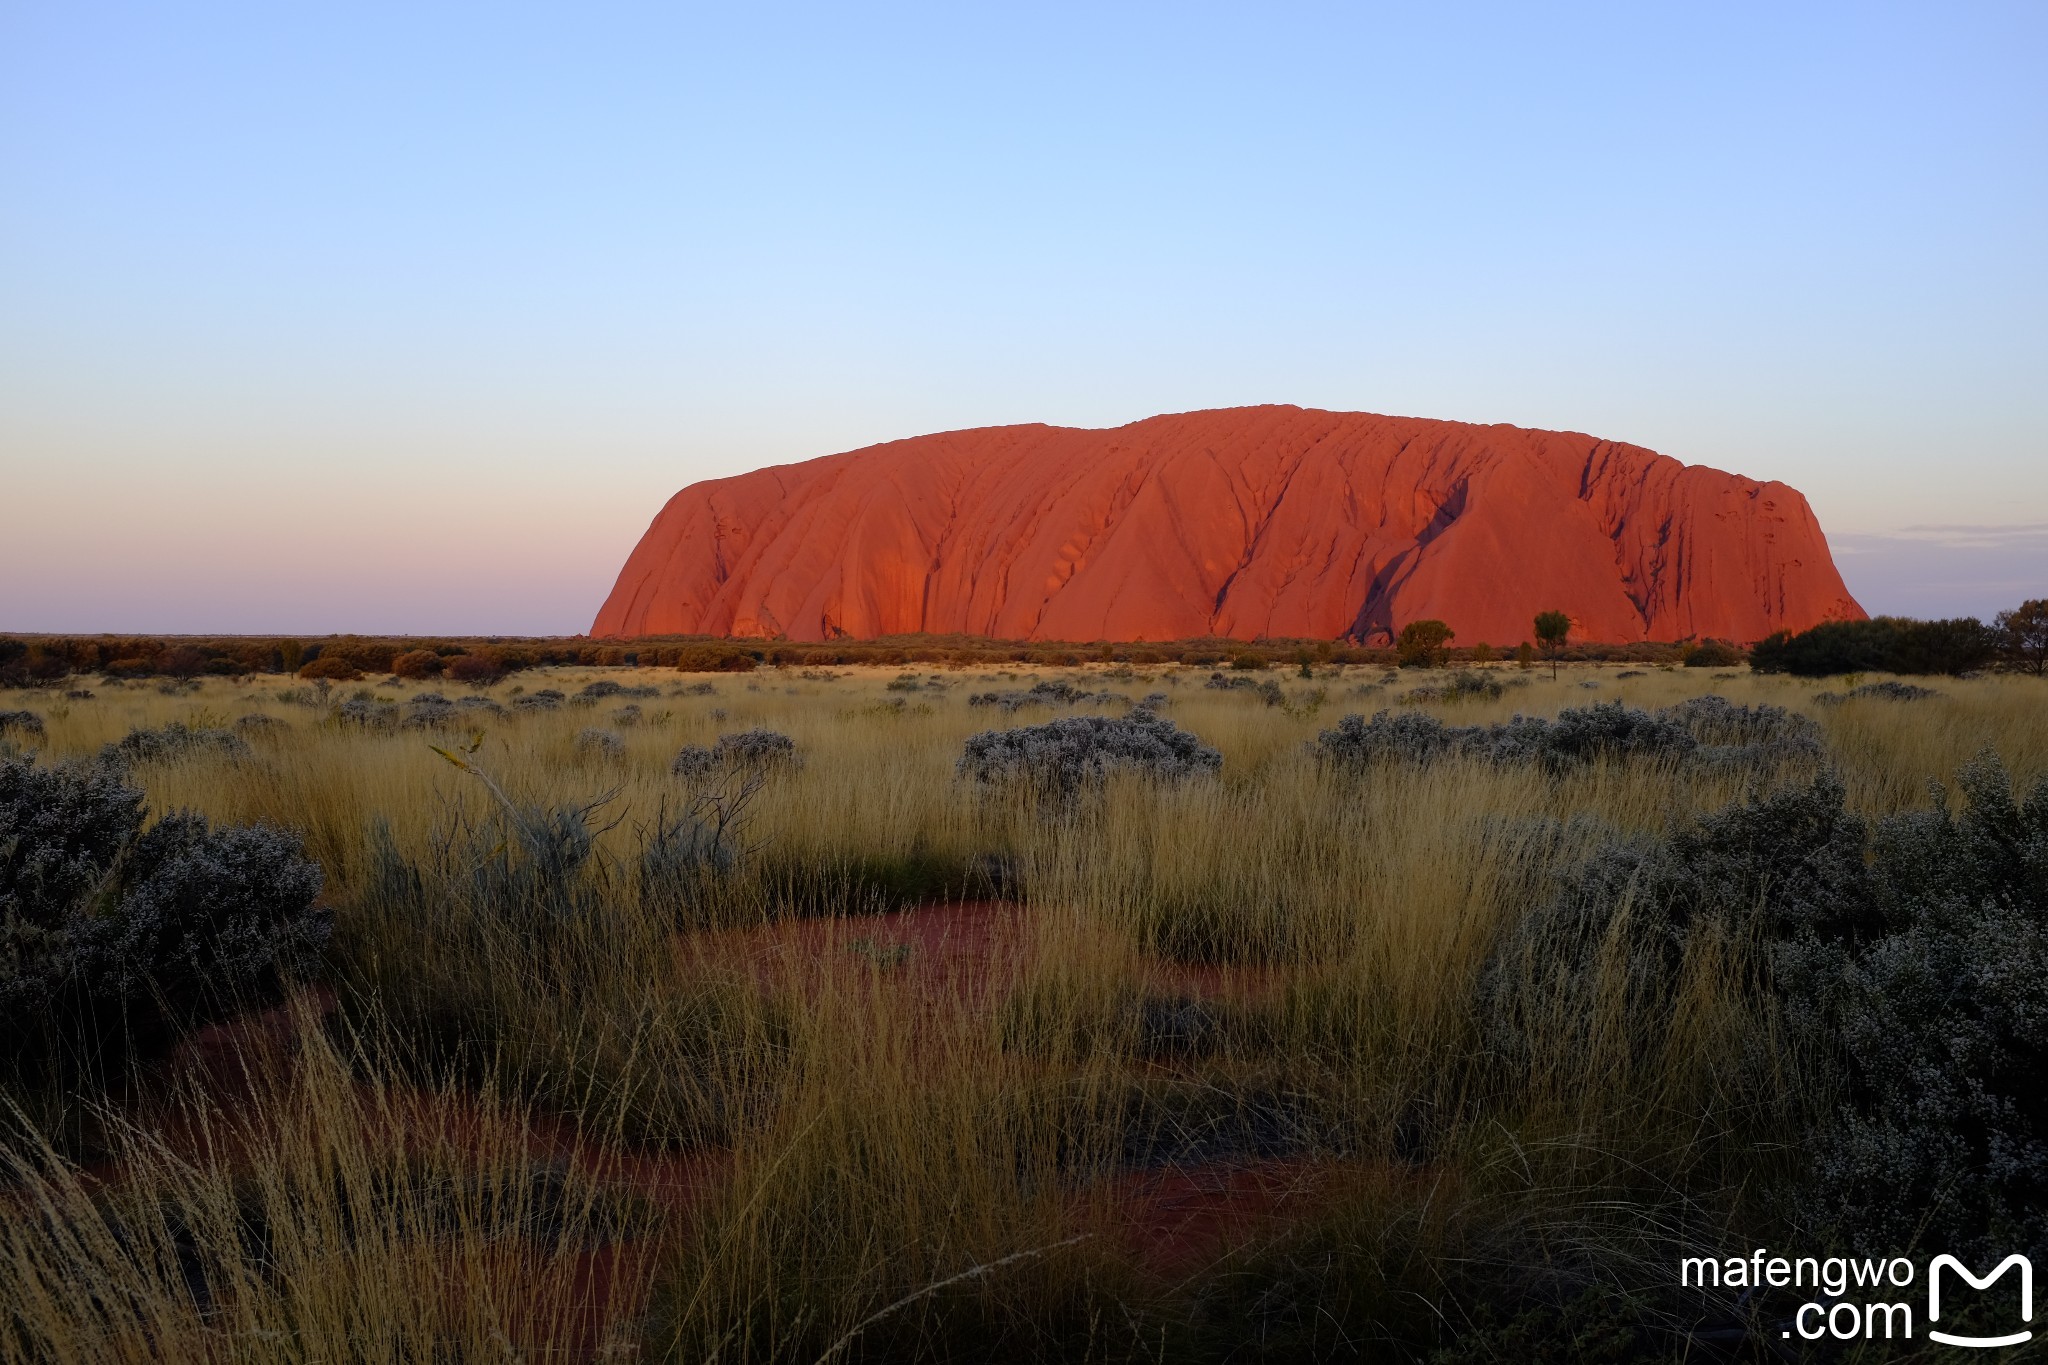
(1246,523)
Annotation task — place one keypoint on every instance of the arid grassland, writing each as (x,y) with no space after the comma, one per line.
(1226,1029)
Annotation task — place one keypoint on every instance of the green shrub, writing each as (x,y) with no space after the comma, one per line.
(1889,644)
(1713,654)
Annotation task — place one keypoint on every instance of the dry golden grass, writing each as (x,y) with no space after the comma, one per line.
(906,1170)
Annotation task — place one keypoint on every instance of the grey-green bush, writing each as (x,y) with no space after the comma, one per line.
(1062,756)
(114,941)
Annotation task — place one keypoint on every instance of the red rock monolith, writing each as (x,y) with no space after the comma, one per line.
(1239,522)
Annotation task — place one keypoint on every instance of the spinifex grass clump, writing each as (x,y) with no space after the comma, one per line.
(1057,692)
(546,699)
(176,740)
(600,745)
(1464,685)
(115,940)
(1062,757)
(519,943)
(1266,691)
(429,711)
(1706,730)
(323,1212)
(759,747)
(22,723)
(607,687)
(759,750)
(1519,1035)
(367,712)
(1719,723)
(1887,690)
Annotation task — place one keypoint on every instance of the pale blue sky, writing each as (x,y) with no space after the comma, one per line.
(387,317)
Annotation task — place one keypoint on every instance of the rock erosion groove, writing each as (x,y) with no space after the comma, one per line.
(1239,522)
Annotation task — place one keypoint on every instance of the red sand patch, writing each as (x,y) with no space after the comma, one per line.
(962,951)
(958,948)
(941,959)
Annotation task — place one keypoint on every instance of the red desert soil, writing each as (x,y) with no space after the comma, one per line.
(1239,522)
(1175,1219)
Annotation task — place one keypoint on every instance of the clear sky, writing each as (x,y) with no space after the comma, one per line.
(408,317)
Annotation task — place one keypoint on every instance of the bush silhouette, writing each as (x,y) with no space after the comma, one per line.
(1888,644)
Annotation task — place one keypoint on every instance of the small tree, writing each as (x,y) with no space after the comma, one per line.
(1422,643)
(1553,628)
(1525,655)
(2023,636)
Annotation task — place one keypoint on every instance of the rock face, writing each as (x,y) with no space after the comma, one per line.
(1241,522)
